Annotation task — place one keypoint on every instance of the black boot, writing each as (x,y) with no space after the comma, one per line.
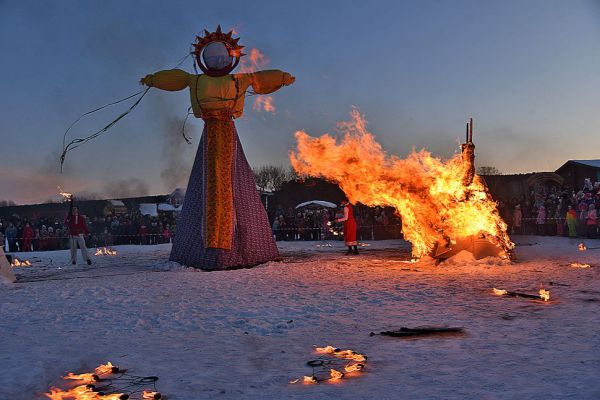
(355,250)
(74,262)
(89,262)
(349,252)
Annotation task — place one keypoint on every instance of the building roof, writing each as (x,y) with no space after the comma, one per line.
(588,163)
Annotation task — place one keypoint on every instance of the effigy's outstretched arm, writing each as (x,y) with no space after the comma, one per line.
(171,80)
(269,81)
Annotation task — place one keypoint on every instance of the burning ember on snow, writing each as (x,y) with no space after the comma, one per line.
(582,247)
(18,263)
(579,265)
(544,294)
(103,251)
(102,385)
(86,378)
(87,391)
(354,362)
(107,368)
(254,61)
(438,201)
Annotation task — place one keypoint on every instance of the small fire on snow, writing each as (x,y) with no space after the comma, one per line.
(19,263)
(579,265)
(87,391)
(543,294)
(103,251)
(151,395)
(355,363)
(581,247)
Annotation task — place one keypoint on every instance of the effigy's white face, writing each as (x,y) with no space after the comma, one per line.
(216,56)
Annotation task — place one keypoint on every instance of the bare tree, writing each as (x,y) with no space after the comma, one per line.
(488,170)
(272,177)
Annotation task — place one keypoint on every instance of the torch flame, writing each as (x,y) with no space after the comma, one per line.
(428,193)
(544,294)
(66,196)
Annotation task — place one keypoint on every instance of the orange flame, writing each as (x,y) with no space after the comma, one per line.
(85,392)
(544,294)
(255,61)
(265,103)
(19,263)
(580,265)
(66,196)
(335,375)
(105,252)
(112,396)
(150,395)
(87,378)
(354,367)
(500,292)
(82,392)
(104,368)
(428,193)
(581,247)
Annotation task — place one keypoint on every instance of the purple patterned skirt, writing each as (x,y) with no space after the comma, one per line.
(252,241)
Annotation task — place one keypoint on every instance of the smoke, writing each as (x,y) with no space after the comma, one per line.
(177,154)
(133,187)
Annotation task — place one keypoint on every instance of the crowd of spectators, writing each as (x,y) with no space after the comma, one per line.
(545,211)
(555,211)
(45,233)
(374,223)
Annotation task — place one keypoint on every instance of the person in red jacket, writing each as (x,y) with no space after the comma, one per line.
(28,235)
(349,227)
(77,227)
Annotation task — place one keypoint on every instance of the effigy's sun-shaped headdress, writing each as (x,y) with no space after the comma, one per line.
(226,39)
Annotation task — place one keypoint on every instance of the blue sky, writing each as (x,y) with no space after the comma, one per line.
(527,71)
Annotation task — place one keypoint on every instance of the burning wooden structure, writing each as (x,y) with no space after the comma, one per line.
(444,205)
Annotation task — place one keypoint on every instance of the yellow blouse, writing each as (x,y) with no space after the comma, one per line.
(215,93)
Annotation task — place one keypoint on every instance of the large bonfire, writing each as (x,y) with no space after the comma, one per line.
(440,202)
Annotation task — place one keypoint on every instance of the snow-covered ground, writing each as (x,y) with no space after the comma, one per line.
(246,333)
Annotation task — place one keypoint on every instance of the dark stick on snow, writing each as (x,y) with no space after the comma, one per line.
(421,331)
